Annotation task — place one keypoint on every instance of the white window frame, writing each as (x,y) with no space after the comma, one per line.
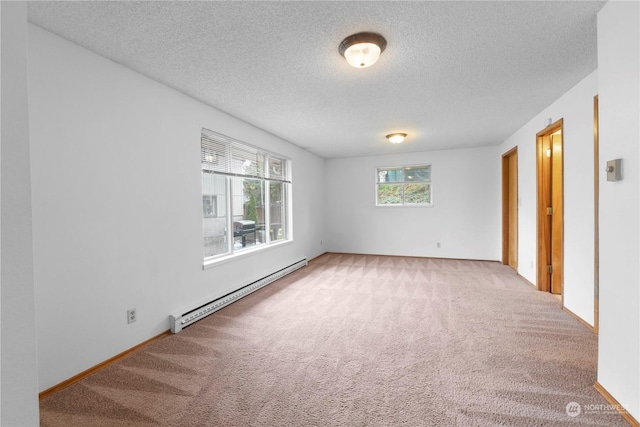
(378,182)
(227,168)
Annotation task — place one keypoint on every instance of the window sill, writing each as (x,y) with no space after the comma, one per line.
(215,261)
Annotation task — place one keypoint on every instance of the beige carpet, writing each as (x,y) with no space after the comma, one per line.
(355,340)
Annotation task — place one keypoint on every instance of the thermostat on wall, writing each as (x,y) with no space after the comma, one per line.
(614,170)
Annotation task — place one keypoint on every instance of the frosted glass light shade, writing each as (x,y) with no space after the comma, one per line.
(363,49)
(396,138)
(362,55)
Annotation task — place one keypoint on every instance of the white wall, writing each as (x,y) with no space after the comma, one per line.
(18,327)
(619,99)
(117,205)
(465,217)
(576,109)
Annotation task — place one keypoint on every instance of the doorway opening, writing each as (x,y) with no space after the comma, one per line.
(550,217)
(510,208)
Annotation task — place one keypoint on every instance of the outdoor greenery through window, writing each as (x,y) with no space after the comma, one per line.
(404,186)
(245,195)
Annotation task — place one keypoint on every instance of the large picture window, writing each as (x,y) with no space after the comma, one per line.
(245,196)
(404,186)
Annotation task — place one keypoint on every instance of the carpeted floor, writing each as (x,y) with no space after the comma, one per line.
(358,340)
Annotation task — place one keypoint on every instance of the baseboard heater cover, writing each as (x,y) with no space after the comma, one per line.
(185,318)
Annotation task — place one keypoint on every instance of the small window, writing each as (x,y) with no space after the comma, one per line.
(404,186)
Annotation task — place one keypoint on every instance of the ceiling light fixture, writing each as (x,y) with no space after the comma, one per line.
(362,49)
(396,138)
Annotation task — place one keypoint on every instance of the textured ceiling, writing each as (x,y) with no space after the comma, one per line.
(454,74)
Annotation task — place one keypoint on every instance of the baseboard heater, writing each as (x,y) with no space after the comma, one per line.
(185,318)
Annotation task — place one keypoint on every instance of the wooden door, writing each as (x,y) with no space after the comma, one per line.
(557,213)
(510,208)
(550,208)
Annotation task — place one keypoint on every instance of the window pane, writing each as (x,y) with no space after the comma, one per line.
(277,211)
(390,175)
(417,193)
(389,194)
(214,154)
(248,212)
(246,160)
(417,174)
(214,210)
(276,168)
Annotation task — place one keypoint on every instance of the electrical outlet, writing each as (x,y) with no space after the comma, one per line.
(131,315)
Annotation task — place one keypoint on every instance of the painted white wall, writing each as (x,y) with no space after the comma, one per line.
(619,99)
(465,217)
(117,205)
(576,109)
(18,325)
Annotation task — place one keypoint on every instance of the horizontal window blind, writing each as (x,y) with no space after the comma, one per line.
(224,155)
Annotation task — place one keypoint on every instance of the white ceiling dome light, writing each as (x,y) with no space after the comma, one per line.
(396,138)
(362,50)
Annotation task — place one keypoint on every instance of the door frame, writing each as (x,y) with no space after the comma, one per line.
(505,206)
(596,215)
(543,279)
